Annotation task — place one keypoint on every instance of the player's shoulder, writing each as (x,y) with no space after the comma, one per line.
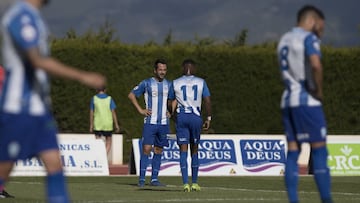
(19,11)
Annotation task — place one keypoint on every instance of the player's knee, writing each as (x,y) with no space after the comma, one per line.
(158,150)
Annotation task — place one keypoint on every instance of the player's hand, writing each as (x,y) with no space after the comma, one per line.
(206,125)
(168,114)
(117,129)
(94,80)
(145,112)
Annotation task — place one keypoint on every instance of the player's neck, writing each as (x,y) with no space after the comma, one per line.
(159,79)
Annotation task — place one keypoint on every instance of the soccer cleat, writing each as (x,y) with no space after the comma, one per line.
(186,188)
(4,194)
(195,187)
(141,183)
(157,184)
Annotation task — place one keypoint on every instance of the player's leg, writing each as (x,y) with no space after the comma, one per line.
(291,165)
(147,142)
(155,166)
(195,131)
(321,171)
(160,142)
(183,137)
(292,171)
(55,181)
(46,146)
(194,167)
(184,166)
(317,131)
(5,169)
(108,141)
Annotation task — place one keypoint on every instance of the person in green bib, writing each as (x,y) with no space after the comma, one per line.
(103,117)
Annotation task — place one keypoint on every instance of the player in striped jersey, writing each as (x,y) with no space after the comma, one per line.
(301,103)
(27,126)
(156,119)
(188,93)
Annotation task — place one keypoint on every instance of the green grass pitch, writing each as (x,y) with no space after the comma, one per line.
(120,189)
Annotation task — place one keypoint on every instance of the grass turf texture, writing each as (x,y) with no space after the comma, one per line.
(213,189)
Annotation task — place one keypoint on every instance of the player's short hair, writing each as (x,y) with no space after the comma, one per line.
(162,61)
(188,61)
(101,89)
(305,10)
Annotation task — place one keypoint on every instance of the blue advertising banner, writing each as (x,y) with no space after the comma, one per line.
(259,155)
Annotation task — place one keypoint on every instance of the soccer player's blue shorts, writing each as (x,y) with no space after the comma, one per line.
(156,135)
(188,128)
(23,136)
(304,124)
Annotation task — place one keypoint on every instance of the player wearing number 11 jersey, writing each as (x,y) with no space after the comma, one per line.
(189,91)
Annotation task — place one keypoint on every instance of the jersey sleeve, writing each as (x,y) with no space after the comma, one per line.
(139,89)
(92,106)
(24,31)
(312,45)
(112,104)
(206,91)
(171,94)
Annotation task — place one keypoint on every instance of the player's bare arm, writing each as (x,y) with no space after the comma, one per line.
(116,123)
(207,102)
(317,71)
(145,112)
(91,128)
(56,68)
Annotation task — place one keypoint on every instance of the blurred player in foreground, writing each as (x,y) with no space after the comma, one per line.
(303,118)
(27,126)
(188,93)
(156,122)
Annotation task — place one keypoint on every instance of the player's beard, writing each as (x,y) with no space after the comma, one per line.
(316,31)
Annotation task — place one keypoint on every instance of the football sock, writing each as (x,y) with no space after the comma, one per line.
(144,159)
(292,175)
(56,188)
(194,167)
(156,161)
(183,166)
(321,173)
(2,183)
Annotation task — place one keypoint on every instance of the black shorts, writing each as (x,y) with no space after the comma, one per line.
(103,133)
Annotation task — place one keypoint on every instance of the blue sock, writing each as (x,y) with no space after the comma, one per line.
(156,162)
(322,173)
(194,167)
(56,188)
(2,184)
(184,166)
(292,175)
(144,159)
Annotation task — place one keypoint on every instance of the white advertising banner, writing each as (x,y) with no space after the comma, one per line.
(225,155)
(255,155)
(80,157)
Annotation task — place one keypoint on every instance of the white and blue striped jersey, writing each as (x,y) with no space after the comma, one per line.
(189,91)
(294,49)
(156,95)
(26,88)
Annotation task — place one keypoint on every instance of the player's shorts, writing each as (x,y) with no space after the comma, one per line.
(24,136)
(103,133)
(304,124)
(156,135)
(188,128)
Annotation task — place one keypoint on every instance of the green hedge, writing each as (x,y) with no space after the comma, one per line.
(244,82)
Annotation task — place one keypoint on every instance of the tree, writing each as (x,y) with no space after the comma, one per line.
(240,39)
(168,38)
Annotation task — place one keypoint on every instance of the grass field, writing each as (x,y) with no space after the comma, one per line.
(214,189)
